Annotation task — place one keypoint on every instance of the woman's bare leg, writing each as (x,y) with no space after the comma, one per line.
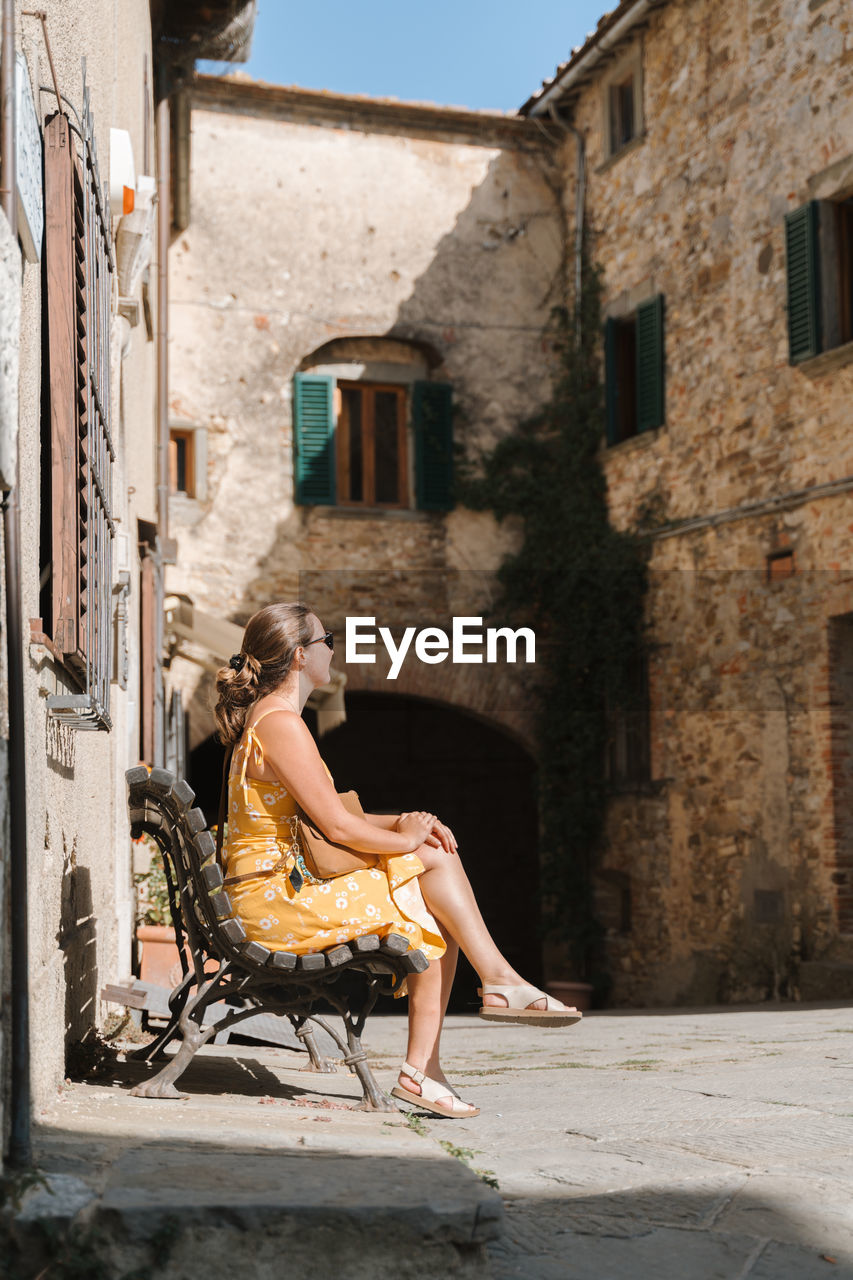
(448,894)
(429,993)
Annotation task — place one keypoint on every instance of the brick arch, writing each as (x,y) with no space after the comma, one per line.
(491,693)
(376,346)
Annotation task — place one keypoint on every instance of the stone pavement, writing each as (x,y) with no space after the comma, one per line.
(682,1145)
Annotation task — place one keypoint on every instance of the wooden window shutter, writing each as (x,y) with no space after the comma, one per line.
(801,255)
(650,410)
(65,272)
(314,438)
(611,389)
(432,417)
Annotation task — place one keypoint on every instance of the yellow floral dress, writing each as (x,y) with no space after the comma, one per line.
(383,898)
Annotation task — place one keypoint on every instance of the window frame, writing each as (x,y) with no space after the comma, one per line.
(628,66)
(819,282)
(628,750)
(178,435)
(645,317)
(196,462)
(368,392)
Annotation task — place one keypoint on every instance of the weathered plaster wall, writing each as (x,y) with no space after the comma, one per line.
(348,229)
(81,905)
(748,113)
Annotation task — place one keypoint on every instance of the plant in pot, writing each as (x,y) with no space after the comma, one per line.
(157,949)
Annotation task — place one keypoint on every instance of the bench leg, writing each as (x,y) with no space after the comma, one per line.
(194,1036)
(305,1032)
(373,1099)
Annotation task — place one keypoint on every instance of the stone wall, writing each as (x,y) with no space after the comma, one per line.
(419,230)
(738,854)
(81,898)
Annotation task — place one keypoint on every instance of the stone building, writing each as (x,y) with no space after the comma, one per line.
(718,199)
(394,271)
(83,343)
(704,150)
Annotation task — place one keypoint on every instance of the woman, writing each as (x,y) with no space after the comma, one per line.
(417,887)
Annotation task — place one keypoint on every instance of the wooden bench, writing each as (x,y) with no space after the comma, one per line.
(349,977)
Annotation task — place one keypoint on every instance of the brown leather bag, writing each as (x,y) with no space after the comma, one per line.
(323,858)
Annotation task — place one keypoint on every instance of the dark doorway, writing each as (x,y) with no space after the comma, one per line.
(404,753)
(204,774)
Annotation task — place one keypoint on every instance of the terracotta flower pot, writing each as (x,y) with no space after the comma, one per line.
(159,960)
(578,994)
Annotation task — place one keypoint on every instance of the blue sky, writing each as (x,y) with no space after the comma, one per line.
(469,53)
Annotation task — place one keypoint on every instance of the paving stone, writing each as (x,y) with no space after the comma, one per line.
(687,1145)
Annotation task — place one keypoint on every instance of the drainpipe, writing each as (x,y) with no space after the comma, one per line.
(20,1152)
(162,414)
(163,231)
(579,208)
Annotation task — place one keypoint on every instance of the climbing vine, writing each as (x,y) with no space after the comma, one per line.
(580,584)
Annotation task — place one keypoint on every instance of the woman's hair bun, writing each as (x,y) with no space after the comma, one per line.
(271,638)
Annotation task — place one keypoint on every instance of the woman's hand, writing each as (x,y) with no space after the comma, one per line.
(418,826)
(438,835)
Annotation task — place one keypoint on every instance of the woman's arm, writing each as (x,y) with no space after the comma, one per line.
(440,837)
(387,821)
(292,753)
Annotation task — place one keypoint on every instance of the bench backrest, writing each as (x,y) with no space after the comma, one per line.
(162,805)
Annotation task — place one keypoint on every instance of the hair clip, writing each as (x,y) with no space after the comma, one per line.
(237,661)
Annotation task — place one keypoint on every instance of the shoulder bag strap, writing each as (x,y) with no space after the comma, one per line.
(223,803)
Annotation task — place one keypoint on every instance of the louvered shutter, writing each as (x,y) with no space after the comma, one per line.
(611,389)
(801,254)
(650,412)
(432,415)
(66,361)
(314,438)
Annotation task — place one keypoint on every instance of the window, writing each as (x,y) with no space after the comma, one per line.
(634,371)
(623,104)
(819,256)
(628,761)
(780,564)
(371,447)
(181,462)
(621,114)
(353,441)
(188,460)
(78,528)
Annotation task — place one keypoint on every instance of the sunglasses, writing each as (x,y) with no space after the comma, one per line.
(327,638)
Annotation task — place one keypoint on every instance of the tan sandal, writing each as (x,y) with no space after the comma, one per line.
(431,1091)
(518,1000)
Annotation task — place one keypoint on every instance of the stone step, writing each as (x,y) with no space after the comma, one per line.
(220,1212)
(264,1170)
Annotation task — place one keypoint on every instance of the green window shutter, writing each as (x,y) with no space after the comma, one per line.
(314,438)
(432,415)
(801,255)
(650,364)
(611,390)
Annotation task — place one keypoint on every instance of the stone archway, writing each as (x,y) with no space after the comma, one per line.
(499,695)
(403,752)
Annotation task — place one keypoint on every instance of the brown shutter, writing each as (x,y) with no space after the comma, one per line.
(65,279)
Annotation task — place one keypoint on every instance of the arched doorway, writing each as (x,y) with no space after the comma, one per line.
(402,752)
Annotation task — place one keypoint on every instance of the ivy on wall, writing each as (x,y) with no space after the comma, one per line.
(580,584)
